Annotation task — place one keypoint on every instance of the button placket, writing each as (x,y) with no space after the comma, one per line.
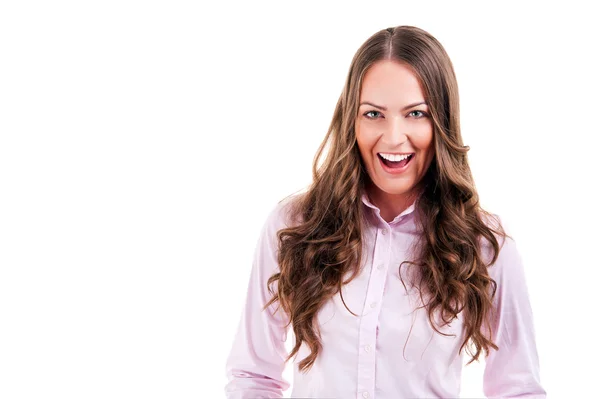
(368,326)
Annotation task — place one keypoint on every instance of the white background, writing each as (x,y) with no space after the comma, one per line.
(143,143)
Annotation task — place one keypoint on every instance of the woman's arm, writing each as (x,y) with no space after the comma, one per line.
(513,370)
(255,364)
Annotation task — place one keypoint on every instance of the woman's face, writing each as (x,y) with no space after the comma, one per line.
(393,121)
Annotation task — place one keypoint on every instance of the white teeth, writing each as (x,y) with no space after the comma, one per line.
(394,157)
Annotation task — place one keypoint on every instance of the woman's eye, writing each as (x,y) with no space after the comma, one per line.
(369,114)
(420,113)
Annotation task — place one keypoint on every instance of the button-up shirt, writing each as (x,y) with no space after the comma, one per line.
(390,351)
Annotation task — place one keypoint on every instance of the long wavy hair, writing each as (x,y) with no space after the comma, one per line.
(326,244)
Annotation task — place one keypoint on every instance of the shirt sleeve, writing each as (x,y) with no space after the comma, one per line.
(513,370)
(254,367)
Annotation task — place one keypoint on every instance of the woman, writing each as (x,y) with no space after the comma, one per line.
(437,277)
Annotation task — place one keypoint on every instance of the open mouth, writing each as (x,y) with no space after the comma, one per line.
(396,164)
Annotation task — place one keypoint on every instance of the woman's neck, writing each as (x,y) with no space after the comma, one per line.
(390,205)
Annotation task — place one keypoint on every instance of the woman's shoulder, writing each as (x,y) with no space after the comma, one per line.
(494,222)
(508,250)
(282,213)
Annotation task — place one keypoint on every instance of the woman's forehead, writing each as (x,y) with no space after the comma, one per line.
(391,82)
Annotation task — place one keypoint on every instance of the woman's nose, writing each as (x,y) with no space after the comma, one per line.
(396,131)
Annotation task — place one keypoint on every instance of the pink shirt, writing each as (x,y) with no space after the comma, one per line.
(379,355)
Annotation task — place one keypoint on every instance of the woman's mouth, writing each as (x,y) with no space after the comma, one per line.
(395,163)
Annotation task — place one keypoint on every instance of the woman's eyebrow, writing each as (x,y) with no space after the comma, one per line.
(385,109)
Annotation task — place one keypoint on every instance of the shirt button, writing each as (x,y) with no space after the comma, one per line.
(383,232)
(365,394)
(373,304)
(380,266)
(367,349)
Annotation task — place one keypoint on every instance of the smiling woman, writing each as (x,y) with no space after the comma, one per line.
(396,139)
(393,202)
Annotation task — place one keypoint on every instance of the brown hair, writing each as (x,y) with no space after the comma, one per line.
(315,254)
